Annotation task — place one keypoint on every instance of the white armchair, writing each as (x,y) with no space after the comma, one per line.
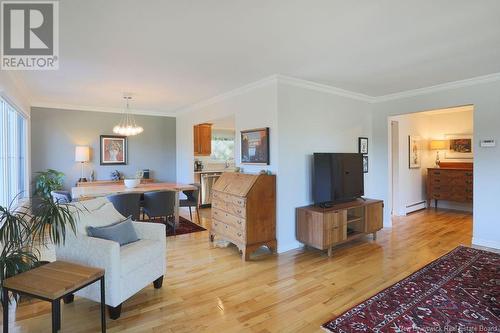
(128,268)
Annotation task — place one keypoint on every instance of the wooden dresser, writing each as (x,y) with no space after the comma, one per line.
(450,182)
(324,228)
(244,211)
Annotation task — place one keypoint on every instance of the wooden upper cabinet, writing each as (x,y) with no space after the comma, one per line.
(202,139)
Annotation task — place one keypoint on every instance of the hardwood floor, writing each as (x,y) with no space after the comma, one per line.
(211,290)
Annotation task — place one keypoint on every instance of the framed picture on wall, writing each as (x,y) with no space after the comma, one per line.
(414,151)
(113,150)
(460,146)
(255,146)
(363,145)
(365,163)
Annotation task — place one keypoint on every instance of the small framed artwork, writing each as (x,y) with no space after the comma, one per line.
(414,151)
(365,163)
(363,145)
(113,150)
(255,146)
(461,146)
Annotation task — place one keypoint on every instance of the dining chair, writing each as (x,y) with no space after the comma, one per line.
(127,204)
(191,201)
(62,197)
(160,204)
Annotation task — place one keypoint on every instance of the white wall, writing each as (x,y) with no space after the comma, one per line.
(486,100)
(306,120)
(12,91)
(302,121)
(411,187)
(254,108)
(312,121)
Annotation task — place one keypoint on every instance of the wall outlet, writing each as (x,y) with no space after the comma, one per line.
(490,143)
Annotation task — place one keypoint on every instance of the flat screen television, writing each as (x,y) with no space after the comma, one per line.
(337,177)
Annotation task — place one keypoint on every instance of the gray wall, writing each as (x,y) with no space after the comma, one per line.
(55,133)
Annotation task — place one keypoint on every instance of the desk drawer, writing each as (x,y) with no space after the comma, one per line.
(229,207)
(222,216)
(238,201)
(229,232)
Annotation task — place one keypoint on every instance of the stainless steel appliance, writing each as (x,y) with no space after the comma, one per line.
(207,182)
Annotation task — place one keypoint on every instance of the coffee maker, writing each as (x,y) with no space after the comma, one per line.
(198,165)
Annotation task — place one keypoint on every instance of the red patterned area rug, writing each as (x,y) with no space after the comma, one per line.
(185,227)
(459,292)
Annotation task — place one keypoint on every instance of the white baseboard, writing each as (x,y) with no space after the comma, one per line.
(288,247)
(486,243)
(416,206)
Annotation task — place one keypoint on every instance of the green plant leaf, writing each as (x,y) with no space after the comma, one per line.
(48,181)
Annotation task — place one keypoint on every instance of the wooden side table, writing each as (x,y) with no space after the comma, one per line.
(50,283)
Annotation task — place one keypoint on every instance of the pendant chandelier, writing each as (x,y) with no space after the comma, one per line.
(127,125)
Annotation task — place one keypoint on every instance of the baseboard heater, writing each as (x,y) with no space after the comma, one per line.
(416,206)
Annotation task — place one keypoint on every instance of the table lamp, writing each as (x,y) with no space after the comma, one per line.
(82,154)
(438,145)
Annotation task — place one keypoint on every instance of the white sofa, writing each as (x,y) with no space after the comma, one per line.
(128,268)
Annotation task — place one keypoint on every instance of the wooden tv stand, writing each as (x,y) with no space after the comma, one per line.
(324,228)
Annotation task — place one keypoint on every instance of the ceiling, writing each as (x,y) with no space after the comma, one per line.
(171,54)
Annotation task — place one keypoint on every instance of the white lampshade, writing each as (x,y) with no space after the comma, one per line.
(438,144)
(82,154)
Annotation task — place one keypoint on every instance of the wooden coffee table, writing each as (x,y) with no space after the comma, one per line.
(50,283)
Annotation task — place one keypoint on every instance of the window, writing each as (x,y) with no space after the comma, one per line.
(222,148)
(13,161)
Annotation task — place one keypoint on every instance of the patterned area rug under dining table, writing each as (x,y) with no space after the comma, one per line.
(459,292)
(185,227)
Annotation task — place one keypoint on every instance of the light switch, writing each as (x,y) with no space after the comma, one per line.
(490,143)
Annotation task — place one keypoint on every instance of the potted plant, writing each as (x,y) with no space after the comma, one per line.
(48,181)
(45,182)
(23,233)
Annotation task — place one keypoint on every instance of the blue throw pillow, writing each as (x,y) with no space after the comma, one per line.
(121,232)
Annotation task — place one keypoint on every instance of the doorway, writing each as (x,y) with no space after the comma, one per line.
(426,144)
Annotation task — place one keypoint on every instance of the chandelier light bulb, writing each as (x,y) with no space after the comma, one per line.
(127,125)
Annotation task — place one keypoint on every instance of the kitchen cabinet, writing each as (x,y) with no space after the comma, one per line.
(202,135)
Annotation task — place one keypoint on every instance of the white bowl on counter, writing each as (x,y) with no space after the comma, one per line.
(131,183)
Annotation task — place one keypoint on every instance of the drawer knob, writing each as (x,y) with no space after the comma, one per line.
(239,222)
(239,234)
